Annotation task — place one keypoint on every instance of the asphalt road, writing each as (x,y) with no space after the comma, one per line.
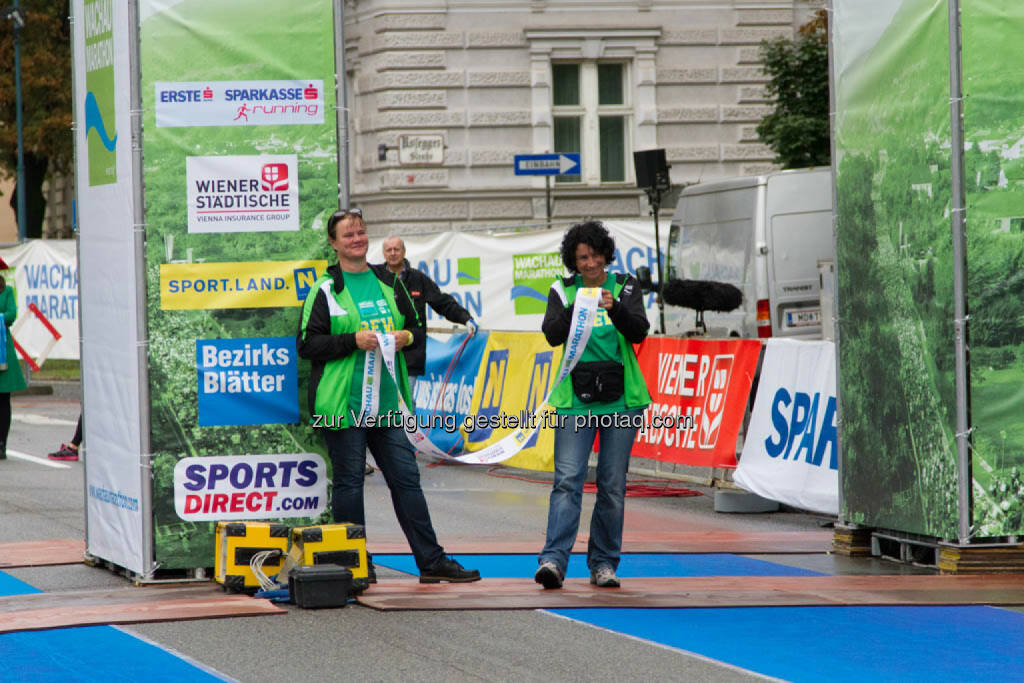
(41,501)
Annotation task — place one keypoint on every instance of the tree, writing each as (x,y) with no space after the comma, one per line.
(798,129)
(46,102)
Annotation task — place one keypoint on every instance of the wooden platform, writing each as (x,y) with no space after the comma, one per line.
(42,553)
(125,606)
(980,559)
(688,542)
(714,591)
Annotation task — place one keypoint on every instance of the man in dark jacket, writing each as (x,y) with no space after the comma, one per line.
(423,291)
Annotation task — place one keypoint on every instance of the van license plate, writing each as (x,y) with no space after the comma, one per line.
(803,317)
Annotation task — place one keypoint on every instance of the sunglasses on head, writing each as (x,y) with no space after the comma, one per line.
(348,212)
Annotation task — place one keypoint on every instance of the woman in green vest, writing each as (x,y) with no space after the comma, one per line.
(605,395)
(11,379)
(341,317)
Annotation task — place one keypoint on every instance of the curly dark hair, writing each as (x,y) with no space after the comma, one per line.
(591,233)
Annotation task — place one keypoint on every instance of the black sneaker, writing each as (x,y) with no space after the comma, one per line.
(548,575)
(449,570)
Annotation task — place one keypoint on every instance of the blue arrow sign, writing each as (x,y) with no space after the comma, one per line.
(547,164)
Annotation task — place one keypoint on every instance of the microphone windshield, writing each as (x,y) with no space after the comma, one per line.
(702,295)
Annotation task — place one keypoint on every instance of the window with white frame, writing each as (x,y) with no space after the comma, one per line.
(591,115)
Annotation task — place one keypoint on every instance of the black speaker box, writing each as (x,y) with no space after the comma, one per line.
(651,168)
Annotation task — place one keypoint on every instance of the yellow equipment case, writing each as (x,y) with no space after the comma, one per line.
(237,542)
(338,544)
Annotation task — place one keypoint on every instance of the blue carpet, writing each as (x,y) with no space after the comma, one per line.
(86,653)
(12,586)
(631,566)
(837,643)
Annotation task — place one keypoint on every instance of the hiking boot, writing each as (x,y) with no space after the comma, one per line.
(549,575)
(449,570)
(604,577)
(66,452)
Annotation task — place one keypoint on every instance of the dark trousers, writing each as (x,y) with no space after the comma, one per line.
(397,462)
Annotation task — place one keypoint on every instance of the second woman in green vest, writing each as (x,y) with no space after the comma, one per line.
(605,395)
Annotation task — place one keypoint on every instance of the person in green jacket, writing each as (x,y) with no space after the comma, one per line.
(340,318)
(11,379)
(605,395)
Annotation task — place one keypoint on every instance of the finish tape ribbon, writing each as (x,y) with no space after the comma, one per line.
(583,312)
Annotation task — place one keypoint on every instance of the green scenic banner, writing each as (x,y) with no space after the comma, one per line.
(994,168)
(895,265)
(241,173)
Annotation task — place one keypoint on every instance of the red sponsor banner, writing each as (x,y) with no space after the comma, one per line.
(699,390)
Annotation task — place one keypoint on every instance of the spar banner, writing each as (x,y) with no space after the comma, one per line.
(241,172)
(993,133)
(45,273)
(897,390)
(699,390)
(519,267)
(106,190)
(791,451)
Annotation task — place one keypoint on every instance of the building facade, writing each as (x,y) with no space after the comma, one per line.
(443,94)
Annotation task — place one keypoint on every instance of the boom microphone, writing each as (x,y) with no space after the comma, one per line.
(702,295)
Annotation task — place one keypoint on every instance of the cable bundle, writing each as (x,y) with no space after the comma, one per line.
(256,565)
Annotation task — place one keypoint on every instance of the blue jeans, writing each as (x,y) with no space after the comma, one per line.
(397,462)
(572,450)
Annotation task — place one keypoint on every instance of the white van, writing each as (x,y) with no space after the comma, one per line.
(764,234)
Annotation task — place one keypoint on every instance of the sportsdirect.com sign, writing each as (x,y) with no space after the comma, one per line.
(250,487)
(243,193)
(239,103)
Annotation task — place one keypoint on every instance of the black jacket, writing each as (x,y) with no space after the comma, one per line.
(425,291)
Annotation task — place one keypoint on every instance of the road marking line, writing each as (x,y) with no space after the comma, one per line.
(33,419)
(40,461)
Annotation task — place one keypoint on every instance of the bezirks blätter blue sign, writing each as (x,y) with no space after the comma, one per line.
(247,381)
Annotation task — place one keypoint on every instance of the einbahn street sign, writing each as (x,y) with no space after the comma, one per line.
(547,164)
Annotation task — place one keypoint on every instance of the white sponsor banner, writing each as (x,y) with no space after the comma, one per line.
(116,509)
(239,103)
(46,274)
(790,453)
(226,487)
(243,193)
(503,279)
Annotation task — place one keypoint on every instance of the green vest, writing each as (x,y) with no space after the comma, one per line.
(636,393)
(332,393)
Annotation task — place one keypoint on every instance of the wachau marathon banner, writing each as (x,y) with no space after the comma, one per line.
(241,172)
(45,274)
(519,268)
(791,450)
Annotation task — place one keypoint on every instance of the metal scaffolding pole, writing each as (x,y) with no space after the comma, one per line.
(960,314)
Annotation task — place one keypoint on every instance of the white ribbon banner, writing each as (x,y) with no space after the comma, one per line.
(583,312)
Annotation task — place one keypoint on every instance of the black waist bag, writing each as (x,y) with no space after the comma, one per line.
(598,381)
